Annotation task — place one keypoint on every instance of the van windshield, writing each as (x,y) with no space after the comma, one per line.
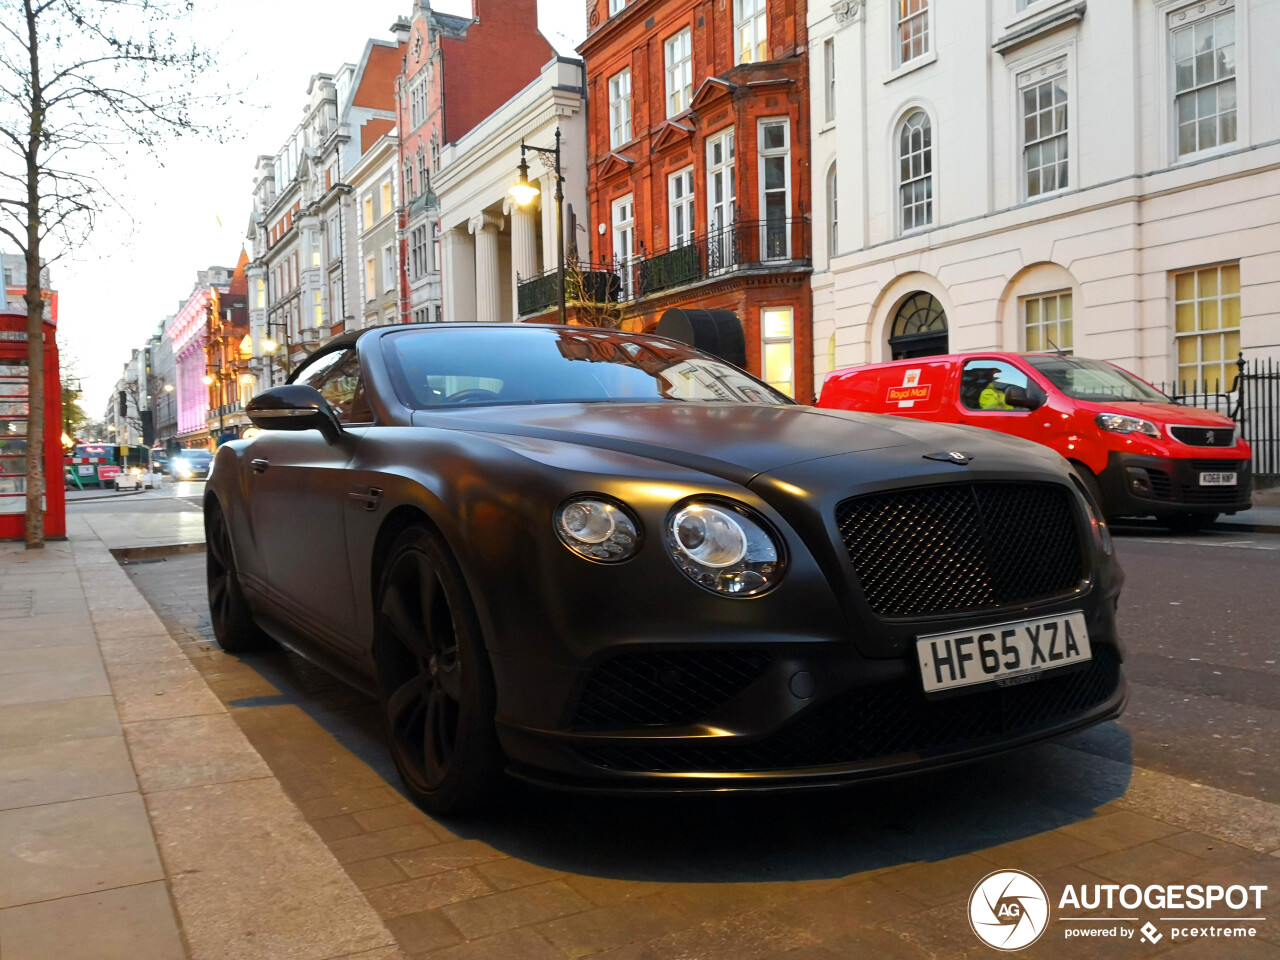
(1095,380)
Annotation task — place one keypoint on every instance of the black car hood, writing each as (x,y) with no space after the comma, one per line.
(735,441)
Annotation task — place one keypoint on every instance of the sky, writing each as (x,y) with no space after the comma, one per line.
(190,210)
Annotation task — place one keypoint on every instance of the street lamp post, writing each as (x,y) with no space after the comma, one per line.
(524,192)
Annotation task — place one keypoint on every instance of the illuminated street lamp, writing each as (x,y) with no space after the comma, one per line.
(168,388)
(523,192)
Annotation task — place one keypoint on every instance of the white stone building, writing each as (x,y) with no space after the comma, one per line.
(489,241)
(1002,175)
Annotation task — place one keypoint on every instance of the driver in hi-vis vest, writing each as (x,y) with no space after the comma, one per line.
(992,397)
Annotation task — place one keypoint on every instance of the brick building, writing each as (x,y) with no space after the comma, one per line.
(228,348)
(457,72)
(698,169)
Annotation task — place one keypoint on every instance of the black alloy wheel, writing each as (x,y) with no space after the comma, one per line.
(434,680)
(233,623)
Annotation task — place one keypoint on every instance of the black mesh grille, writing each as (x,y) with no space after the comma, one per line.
(1161,484)
(961,547)
(882,721)
(648,689)
(1205,436)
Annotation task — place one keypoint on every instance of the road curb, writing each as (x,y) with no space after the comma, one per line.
(155,551)
(106,496)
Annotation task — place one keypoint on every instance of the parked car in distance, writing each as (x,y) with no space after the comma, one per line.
(1139,453)
(608,562)
(190,464)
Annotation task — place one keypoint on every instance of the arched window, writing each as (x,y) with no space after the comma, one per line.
(833,214)
(915,172)
(919,328)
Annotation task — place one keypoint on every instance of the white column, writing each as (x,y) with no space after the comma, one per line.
(524,249)
(458,276)
(485,229)
(547,184)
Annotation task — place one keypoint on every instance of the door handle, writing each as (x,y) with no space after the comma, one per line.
(260,466)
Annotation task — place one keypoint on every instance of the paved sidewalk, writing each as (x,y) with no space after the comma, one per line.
(136,821)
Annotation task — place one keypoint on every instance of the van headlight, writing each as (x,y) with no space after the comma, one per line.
(723,548)
(1119,423)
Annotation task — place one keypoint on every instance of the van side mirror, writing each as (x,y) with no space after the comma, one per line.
(1031,397)
(294,406)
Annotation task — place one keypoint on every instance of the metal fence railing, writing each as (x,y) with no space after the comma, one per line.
(1252,400)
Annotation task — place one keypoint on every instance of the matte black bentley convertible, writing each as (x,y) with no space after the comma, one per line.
(610,562)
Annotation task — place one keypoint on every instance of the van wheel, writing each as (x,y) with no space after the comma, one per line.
(1093,486)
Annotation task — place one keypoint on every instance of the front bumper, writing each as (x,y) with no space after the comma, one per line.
(861,719)
(1143,486)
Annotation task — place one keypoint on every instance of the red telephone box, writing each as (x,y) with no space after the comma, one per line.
(14,410)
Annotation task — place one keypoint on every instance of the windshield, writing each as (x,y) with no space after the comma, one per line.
(195,455)
(522,364)
(1095,380)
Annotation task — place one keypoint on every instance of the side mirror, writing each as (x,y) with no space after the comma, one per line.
(294,406)
(1031,397)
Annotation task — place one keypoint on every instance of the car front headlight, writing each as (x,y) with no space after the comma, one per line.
(1119,423)
(184,471)
(723,549)
(597,529)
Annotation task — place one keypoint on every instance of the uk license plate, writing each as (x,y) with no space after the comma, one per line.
(1003,654)
(1217,479)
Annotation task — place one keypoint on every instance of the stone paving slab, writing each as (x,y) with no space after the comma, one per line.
(127,923)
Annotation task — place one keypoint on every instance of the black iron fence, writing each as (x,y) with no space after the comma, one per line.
(1252,400)
(750,245)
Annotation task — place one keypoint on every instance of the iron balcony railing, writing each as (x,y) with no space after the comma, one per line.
(745,246)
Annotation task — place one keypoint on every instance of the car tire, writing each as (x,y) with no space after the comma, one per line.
(435,685)
(233,623)
(1188,523)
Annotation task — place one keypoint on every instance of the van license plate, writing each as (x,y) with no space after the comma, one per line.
(1217,479)
(1004,654)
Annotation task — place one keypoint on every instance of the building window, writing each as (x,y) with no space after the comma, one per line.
(315,249)
(1204,84)
(778,363)
(912,29)
(423,182)
(408,180)
(336,309)
(615,6)
(370,279)
(1047,321)
(721,200)
(753,30)
(624,241)
(386,198)
(1044,135)
(435,153)
(915,172)
(775,188)
(829,75)
(418,103)
(418,252)
(435,247)
(317,306)
(389,267)
(335,238)
(1207,325)
(439,315)
(368,212)
(833,213)
(262,294)
(679,56)
(680,215)
(620,108)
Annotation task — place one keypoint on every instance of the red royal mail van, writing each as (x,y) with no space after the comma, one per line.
(1140,454)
